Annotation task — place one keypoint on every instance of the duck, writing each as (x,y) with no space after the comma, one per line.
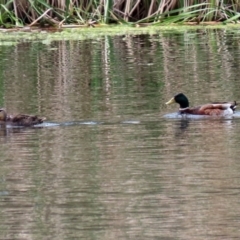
(209,109)
(20,119)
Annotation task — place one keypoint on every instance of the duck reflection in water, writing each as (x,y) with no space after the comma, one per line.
(181,126)
(8,131)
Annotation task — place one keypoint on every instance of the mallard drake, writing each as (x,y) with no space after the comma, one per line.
(20,119)
(211,109)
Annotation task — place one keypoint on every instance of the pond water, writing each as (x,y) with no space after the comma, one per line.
(109,164)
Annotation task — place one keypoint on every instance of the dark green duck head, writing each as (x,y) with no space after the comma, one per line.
(181,99)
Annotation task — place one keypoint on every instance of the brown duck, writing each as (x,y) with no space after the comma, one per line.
(20,119)
(212,109)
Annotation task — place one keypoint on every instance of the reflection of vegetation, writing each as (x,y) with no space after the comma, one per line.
(88,12)
(65,75)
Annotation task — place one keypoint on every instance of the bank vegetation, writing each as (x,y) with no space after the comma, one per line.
(19,13)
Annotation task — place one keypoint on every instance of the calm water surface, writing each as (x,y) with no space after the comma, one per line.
(108,164)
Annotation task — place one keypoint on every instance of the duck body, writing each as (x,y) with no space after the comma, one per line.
(20,119)
(209,109)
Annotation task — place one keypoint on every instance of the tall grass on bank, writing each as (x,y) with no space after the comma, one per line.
(88,12)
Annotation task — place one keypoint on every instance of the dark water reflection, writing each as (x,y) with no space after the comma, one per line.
(114,167)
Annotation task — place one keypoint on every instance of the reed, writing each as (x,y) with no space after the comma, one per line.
(59,12)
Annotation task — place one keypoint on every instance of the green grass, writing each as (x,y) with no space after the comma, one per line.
(84,12)
(13,37)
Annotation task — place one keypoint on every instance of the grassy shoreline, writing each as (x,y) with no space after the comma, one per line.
(13,36)
(59,13)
